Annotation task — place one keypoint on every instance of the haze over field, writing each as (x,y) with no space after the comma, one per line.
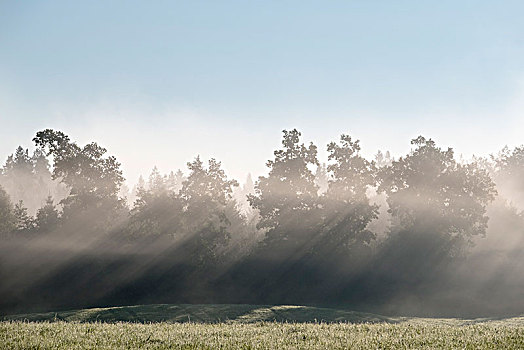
(344,154)
(425,233)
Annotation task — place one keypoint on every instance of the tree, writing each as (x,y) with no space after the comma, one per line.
(157,210)
(346,206)
(157,182)
(382,160)
(174,181)
(322,178)
(93,179)
(125,195)
(249,185)
(7,218)
(508,172)
(206,194)
(17,175)
(241,194)
(40,163)
(24,222)
(287,199)
(47,217)
(208,186)
(19,161)
(244,233)
(155,214)
(28,178)
(141,183)
(436,199)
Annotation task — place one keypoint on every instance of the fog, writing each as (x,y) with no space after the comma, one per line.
(422,233)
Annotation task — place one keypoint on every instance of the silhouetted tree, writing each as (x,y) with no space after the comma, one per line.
(438,204)
(308,236)
(287,199)
(155,212)
(347,210)
(206,194)
(94,180)
(158,209)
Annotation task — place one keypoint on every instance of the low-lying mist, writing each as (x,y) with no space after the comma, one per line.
(424,234)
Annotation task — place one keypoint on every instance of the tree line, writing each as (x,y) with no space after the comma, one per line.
(351,231)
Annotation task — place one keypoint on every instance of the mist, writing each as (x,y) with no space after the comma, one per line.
(425,233)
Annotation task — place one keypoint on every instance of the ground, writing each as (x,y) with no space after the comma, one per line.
(251,327)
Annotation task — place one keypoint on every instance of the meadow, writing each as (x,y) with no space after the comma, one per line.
(251,327)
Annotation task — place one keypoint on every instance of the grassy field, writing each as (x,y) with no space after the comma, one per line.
(251,327)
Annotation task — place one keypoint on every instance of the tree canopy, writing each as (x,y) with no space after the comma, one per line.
(287,199)
(92,178)
(430,193)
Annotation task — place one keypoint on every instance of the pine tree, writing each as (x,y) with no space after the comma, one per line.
(141,184)
(174,181)
(47,217)
(24,222)
(157,182)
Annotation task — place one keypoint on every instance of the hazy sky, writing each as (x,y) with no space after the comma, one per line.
(158,82)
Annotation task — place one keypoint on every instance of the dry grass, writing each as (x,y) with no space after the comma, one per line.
(273,335)
(248,330)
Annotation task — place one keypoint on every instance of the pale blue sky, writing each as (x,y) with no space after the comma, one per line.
(158,82)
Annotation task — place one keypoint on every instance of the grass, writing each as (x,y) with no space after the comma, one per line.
(207,313)
(251,327)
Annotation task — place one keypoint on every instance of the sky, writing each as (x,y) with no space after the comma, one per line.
(159,82)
